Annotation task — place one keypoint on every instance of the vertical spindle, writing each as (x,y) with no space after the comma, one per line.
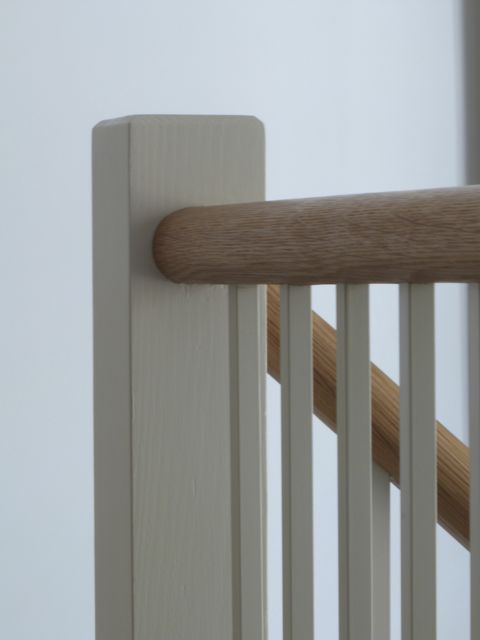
(354,462)
(297,485)
(474,402)
(418,461)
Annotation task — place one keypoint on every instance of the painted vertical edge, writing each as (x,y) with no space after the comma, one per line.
(354,462)
(248,361)
(381,553)
(474,443)
(418,462)
(112,384)
(171,434)
(297,461)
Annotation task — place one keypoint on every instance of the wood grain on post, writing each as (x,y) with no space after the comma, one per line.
(452,454)
(411,236)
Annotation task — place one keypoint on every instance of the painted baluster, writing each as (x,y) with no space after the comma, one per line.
(418,461)
(354,463)
(247,393)
(297,485)
(381,553)
(474,401)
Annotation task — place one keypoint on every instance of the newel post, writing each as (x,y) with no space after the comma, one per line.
(179,392)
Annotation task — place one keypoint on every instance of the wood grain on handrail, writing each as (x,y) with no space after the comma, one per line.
(452,454)
(410,236)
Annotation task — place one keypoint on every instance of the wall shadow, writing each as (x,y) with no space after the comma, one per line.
(471,79)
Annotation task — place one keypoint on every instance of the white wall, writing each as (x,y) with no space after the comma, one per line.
(356,96)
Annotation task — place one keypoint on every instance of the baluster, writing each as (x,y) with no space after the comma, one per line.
(474,402)
(381,553)
(297,486)
(418,461)
(354,463)
(247,392)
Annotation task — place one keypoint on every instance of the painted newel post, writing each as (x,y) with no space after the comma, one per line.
(179,392)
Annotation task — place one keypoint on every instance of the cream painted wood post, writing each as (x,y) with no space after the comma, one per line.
(179,384)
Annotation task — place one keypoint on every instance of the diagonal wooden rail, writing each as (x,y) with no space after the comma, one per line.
(452,454)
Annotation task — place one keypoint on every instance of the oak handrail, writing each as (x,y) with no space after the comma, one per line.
(452,455)
(409,236)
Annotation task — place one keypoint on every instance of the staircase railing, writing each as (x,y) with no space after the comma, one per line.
(180,499)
